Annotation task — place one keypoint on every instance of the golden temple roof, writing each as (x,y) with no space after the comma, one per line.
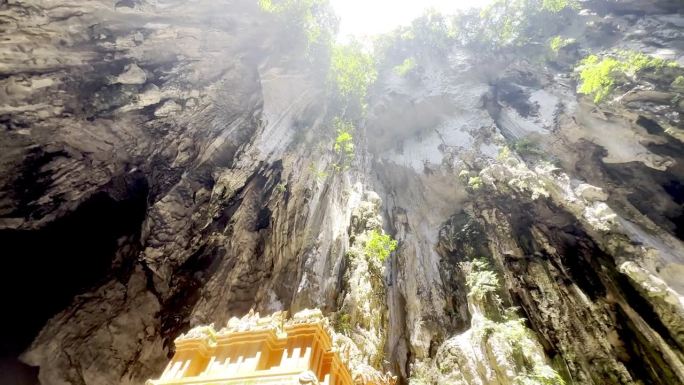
(258,350)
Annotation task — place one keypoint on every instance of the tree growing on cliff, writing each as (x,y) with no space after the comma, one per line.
(511,23)
(380,245)
(314,19)
(352,71)
(600,76)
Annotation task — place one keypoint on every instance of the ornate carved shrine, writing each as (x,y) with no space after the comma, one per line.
(253,350)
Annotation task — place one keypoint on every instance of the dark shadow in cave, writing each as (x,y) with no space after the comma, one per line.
(596,274)
(42,270)
(656,194)
(190,277)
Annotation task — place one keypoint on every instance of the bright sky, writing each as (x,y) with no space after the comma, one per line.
(370,17)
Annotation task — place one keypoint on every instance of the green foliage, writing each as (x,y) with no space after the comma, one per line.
(343,324)
(600,76)
(501,24)
(268,6)
(526,146)
(280,187)
(430,35)
(300,12)
(505,20)
(380,245)
(405,67)
(509,23)
(540,375)
(556,6)
(342,124)
(678,83)
(481,280)
(344,142)
(511,329)
(475,182)
(431,30)
(352,70)
(636,61)
(520,339)
(558,42)
(518,336)
(503,154)
(313,17)
(318,174)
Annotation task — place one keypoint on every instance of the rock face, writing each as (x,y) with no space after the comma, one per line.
(166,164)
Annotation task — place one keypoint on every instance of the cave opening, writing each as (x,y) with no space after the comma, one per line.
(42,270)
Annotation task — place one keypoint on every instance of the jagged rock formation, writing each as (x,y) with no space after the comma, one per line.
(363,309)
(169,164)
